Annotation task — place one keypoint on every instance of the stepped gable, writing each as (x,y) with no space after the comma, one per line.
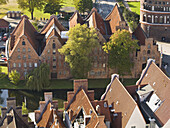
(75,19)
(121,100)
(154,76)
(140,35)
(52,21)
(97,21)
(114,17)
(24,28)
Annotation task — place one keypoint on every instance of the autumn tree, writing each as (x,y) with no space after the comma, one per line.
(83,5)
(3,2)
(53,6)
(38,78)
(78,48)
(120,48)
(31,5)
(14,77)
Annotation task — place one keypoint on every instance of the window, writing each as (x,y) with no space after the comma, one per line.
(59,64)
(53,45)
(105,104)
(64,72)
(23,50)
(29,57)
(144,52)
(35,64)
(30,65)
(54,58)
(54,51)
(48,51)
(100,65)
(29,49)
(19,65)
(148,52)
(59,57)
(14,65)
(149,46)
(19,57)
(24,57)
(48,58)
(90,112)
(133,126)
(144,58)
(104,65)
(18,49)
(23,42)
(95,65)
(92,72)
(25,65)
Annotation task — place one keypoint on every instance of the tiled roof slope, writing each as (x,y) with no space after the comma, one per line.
(97,20)
(122,101)
(82,101)
(53,20)
(114,17)
(161,85)
(4,23)
(140,35)
(24,28)
(75,19)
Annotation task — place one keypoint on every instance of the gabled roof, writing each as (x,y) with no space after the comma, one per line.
(97,20)
(52,21)
(81,101)
(4,23)
(75,19)
(114,17)
(140,35)
(122,101)
(153,75)
(24,28)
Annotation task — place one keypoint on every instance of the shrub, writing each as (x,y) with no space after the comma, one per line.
(14,77)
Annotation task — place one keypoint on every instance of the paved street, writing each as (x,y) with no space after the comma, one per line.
(105,6)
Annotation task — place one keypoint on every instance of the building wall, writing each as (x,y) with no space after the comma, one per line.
(149,50)
(155,19)
(136,119)
(58,67)
(23,58)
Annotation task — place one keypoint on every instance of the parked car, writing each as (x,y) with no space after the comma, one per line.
(4,58)
(5,38)
(6,34)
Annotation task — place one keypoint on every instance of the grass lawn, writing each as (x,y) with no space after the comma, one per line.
(135,7)
(13,6)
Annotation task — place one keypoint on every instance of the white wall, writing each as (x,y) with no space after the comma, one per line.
(136,119)
(167,125)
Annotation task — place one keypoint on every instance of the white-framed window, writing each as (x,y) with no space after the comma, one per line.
(35,64)
(29,57)
(29,49)
(48,51)
(25,65)
(14,65)
(18,49)
(19,65)
(30,65)
(19,57)
(23,49)
(105,104)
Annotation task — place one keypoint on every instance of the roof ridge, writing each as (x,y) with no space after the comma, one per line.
(116,5)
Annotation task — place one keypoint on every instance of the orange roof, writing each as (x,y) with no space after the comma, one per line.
(75,19)
(53,20)
(114,17)
(161,84)
(140,35)
(4,23)
(98,21)
(122,101)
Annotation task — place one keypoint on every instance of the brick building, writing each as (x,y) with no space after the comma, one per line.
(155,19)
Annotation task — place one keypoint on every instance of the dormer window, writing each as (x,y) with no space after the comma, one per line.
(54,46)
(23,42)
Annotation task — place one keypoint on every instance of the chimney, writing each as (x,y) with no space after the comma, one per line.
(70,114)
(98,110)
(48,96)
(42,105)
(11,102)
(83,83)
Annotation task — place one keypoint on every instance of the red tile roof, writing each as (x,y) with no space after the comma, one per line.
(75,19)
(4,23)
(140,35)
(161,84)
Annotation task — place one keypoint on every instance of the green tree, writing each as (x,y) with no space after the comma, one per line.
(83,5)
(3,1)
(24,109)
(120,48)
(31,5)
(39,78)
(14,77)
(78,48)
(53,6)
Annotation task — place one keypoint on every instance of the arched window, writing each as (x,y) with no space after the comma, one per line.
(156,19)
(149,19)
(149,46)
(161,19)
(144,52)
(53,45)
(23,42)
(148,52)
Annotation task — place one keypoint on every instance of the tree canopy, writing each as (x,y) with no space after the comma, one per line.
(53,6)
(31,5)
(14,77)
(3,1)
(120,48)
(83,5)
(78,48)
(39,78)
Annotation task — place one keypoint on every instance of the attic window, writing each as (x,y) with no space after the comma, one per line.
(23,42)
(91,111)
(105,104)
(53,45)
